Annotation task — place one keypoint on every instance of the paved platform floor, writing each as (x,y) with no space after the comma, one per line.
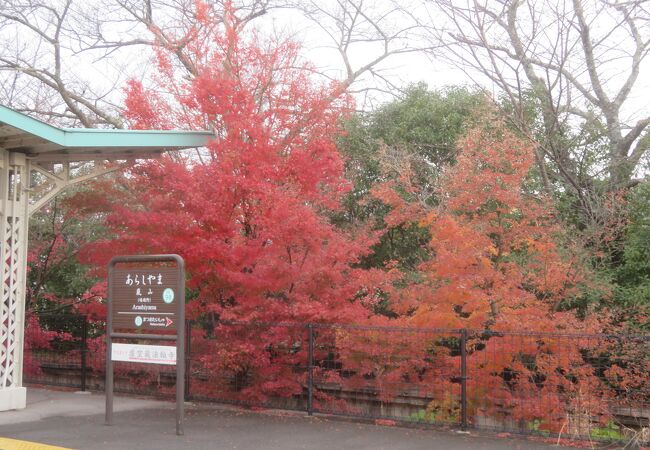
(76,421)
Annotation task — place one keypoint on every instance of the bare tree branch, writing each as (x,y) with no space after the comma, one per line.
(577,61)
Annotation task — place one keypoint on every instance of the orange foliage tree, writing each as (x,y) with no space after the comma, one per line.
(496,260)
(496,269)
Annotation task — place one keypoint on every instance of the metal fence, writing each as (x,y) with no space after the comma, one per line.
(56,350)
(594,387)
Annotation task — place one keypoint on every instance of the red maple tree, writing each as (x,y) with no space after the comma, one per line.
(249,216)
(250,213)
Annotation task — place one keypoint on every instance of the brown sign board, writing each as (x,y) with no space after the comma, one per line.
(146,302)
(145,298)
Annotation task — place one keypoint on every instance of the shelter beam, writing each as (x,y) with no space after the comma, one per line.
(61,181)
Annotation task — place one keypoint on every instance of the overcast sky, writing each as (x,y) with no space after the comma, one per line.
(109,75)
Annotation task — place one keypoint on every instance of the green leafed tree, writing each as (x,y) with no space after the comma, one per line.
(412,137)
(56,279)
(633,274)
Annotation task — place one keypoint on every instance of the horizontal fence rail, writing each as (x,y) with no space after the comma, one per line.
(594,387)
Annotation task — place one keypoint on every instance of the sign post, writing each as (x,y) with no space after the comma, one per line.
(146,301)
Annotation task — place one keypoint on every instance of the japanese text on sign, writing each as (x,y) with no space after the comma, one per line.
(151,354)
(143,279)
(144,299)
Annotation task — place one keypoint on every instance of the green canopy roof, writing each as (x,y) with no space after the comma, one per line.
(40,141)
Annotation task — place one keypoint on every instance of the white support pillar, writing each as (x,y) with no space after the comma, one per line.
(15,209)
(14,217)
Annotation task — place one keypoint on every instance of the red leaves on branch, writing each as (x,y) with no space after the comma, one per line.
(249,214)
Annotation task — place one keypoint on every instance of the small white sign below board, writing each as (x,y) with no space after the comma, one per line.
(148,354)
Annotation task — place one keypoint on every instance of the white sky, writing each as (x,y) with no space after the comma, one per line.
(416,67)
(110,75)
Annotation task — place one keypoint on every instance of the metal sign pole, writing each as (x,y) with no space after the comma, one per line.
(147,313)
(180,349)
(108,385)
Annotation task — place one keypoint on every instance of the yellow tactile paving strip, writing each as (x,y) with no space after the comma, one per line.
(14,444)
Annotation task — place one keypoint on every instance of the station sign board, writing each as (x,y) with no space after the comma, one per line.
(145,299)
(146,302)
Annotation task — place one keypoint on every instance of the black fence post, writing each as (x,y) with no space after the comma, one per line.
(310,371)
(188,357)
(463,379)
(84,352)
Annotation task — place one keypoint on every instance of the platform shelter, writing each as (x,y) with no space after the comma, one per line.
(37,162)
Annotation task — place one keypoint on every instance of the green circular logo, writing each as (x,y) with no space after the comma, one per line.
(168,295)
(138,321)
